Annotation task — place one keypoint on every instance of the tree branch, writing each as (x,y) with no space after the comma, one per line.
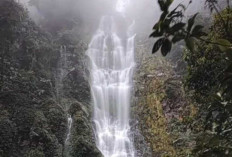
(207,41)
(214,43)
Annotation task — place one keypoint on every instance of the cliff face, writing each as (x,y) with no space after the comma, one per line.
(76,95)
(161,107)
(34,101)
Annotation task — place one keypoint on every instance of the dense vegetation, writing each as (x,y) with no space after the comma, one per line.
(209,66)
(39,89)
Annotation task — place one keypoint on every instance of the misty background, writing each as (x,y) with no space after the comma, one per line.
(84,15)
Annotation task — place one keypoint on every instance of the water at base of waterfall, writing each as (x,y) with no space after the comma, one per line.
(111,70)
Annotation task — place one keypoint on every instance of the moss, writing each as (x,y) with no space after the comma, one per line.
(38,152)
(162,108)
(82,136)
(149,107)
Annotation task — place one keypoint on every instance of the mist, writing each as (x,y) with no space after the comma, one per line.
(86,14)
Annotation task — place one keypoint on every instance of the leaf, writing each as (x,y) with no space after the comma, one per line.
(200,34)
(197,29)
(176,27)
(165,4)
(157,45)
(169,2)
(166,47)
(178,37)
(191,22)
(161,4)
(190,44)
(156,34)
(157,25)
(176,13)
(179,6)
(165,25)
(224,42)
(224,45)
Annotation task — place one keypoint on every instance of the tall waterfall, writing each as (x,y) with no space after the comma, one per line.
(111,69)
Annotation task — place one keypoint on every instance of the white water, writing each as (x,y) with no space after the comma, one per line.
(111,82)
(69,128)
(61,74)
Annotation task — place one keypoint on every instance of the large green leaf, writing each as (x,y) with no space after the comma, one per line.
(224,42)
(165,4)
(176,27)
(169,2)
(190,44)
(156,34)
(157,45)
(178,37)
(166,47)
(157,25)
(225,46)
(197,31)
(162,5)
(191,22)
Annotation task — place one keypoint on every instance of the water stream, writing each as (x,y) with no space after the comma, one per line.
(70,120)
(111,69)
(62,72)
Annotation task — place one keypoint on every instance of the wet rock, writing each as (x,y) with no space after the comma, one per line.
(82,136)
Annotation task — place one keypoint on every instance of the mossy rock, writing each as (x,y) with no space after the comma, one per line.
(38,152)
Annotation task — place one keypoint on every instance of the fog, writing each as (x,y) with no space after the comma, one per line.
(86,14)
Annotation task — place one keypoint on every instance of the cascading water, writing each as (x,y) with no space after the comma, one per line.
(69,128)
(111,71)
(62,72)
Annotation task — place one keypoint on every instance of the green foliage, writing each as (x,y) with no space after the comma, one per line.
(213,145)
(150,93)
(172,26)
(164,4)
(82,137)
(209,78)
(157,45)
(33,123)
(166,47)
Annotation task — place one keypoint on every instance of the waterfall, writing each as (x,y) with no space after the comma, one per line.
(70,120)
(61,74)
(111,70)
(62,71)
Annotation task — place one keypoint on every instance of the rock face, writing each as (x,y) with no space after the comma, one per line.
(33,116)
(82,139)
(77,95)
(159,106)
(149,110)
